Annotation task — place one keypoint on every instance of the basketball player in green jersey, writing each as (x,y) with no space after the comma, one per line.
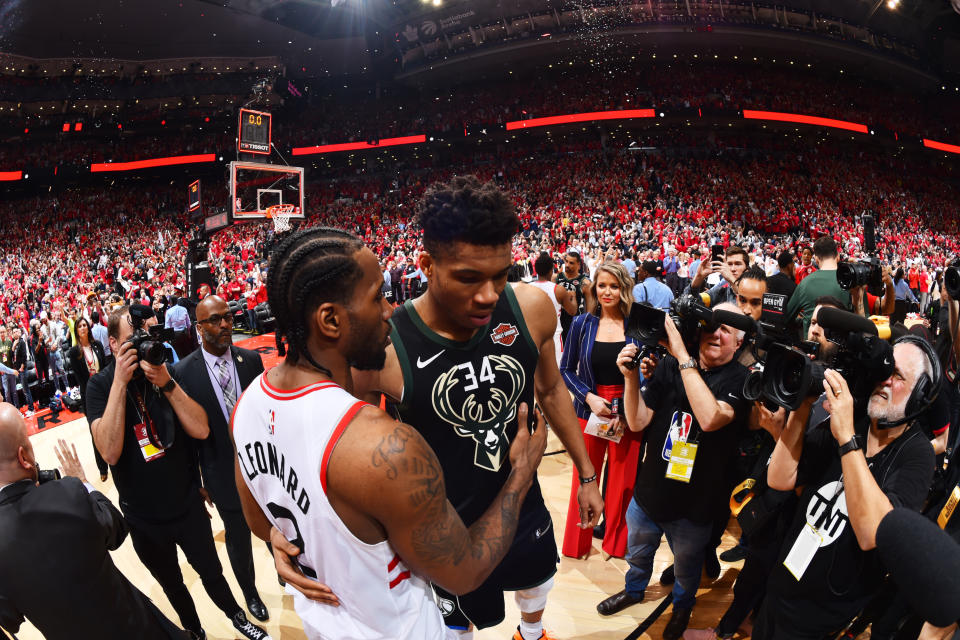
(463,356)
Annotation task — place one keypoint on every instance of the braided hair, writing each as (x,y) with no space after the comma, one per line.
(308,268)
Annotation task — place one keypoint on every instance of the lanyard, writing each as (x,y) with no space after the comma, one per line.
(146,420)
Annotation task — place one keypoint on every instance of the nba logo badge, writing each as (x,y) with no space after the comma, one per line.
(272,426)
(680,426)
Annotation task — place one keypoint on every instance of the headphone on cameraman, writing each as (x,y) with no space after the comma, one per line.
(926,389)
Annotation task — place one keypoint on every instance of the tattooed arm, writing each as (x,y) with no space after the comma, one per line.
(403,493)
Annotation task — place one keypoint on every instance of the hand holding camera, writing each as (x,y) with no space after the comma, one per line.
(598,405)
(127,363)
(839,403)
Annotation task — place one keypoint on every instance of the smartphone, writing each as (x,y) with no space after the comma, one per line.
(716,253)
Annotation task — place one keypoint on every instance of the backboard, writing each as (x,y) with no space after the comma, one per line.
(254,186)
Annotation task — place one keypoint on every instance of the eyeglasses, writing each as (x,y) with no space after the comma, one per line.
(216,319)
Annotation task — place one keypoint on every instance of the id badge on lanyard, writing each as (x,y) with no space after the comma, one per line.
(681,447)
(810,540)
(947,512)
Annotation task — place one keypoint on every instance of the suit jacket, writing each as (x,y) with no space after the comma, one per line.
(79,366)
(56,569)
(216,452)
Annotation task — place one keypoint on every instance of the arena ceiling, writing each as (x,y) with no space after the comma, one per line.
(337,36)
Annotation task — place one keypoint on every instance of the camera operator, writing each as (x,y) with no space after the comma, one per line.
(866,304)
(732,266)
(140,419)
(693,413)
(57,534)
(784,280)
(853,473)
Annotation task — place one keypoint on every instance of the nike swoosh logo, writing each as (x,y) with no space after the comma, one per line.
(422,363)
(539,532)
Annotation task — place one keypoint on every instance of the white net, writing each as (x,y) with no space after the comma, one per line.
(280,214)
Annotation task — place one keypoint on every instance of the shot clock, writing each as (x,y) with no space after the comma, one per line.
(255,132)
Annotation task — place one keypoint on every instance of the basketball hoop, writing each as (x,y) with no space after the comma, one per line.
(280,214)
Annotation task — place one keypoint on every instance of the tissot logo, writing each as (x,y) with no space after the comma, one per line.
(505,334)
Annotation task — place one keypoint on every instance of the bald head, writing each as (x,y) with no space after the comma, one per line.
(215,323)
(209,305)
(16,453)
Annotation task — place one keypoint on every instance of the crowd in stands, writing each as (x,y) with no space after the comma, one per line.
(674,86)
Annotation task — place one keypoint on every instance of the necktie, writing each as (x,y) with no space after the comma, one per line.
(226,383)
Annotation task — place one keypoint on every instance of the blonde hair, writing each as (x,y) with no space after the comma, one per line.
(618,271)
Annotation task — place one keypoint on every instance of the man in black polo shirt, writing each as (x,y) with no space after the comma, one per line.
(853,472)
(140,418)
(693,413)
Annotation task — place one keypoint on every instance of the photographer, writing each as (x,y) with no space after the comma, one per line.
(853,473)
(140,418)
(693,414)
(57,534)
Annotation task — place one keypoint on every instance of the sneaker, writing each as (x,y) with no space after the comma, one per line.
(247,628)
(543,636)
(734,554)
(679,620)
(700,634)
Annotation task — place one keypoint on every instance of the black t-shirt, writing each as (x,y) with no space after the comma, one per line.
(842,575)
(707,494)
(159,489)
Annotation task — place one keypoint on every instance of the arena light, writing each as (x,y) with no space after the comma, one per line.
(622,114)
(101,167)
(941,146)
(10,176)
(802,119)
(358,146)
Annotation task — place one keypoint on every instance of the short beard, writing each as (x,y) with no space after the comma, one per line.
(888,414)
(361,354)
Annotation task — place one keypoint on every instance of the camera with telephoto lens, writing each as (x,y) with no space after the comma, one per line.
(645,324)
(951,279)
(867,272)
(863,357)
(149,344)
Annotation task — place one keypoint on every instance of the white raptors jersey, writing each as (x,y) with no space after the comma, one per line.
(284,440)
(550,288)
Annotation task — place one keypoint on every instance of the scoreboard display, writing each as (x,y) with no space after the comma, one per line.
(193,196)
(255,132)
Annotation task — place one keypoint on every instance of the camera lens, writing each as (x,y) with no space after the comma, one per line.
(852,274)
(951,282)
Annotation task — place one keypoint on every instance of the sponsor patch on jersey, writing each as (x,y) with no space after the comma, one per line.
(505,334)
(272,426)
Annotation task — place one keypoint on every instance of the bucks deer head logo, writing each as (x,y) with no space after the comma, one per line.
(481,411)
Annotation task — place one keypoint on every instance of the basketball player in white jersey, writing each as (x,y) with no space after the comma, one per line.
(558,294)
(360,495)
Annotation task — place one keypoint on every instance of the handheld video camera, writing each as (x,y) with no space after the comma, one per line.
(645,324)
(148,344)
(863,357)
(868,271)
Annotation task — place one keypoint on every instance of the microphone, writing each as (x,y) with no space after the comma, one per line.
(924,562)
(844,321)
(735,320)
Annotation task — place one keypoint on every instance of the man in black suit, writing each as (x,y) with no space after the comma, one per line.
(214,377)
(55,536)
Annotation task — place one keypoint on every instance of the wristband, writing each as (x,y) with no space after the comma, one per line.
(167,388)
(584,481)
(852,445)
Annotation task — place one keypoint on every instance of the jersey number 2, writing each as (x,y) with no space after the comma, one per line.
(282,513)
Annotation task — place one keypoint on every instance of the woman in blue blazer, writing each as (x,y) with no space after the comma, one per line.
(589,368)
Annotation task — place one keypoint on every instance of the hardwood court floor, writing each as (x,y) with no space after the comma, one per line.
(571,609)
